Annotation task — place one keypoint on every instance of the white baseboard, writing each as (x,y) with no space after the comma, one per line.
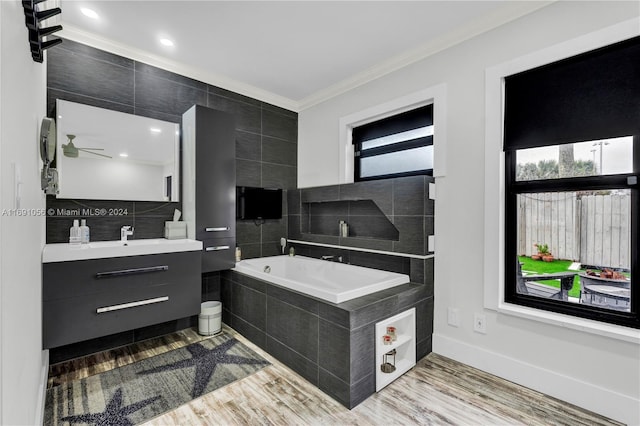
(603,401)
(42,391)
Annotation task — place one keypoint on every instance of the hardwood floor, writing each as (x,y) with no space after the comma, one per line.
(436,391)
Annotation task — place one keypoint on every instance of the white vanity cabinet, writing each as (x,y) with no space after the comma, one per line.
(86,299)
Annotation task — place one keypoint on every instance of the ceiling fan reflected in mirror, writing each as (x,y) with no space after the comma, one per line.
(72,151)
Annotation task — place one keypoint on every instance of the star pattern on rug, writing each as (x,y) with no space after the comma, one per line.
(113,414)
(205,361)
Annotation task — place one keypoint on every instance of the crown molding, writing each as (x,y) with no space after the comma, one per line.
(510,11)
(75,34)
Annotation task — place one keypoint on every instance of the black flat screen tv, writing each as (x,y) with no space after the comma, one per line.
(258,203)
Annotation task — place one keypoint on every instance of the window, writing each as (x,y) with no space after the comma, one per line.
(401,145)
(572,160)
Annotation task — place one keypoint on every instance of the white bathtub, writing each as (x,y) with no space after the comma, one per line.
(332,281)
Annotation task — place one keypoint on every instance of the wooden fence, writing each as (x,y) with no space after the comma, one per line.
(590,229)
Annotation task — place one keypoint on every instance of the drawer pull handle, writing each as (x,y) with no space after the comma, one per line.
(219,229)
(217,248)
(132,271)
(131,304)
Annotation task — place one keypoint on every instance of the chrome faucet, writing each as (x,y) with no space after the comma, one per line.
(125,231)
(332,258)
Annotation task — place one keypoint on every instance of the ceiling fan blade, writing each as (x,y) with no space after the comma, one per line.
(94,153)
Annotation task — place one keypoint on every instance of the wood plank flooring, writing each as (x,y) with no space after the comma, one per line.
(437,391)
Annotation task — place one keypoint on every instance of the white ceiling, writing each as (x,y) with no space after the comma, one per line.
(291,53)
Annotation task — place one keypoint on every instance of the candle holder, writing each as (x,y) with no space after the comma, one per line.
(389,362)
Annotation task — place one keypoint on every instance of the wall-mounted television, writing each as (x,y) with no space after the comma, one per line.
(258,203)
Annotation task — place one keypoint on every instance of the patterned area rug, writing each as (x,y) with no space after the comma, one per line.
(137,392)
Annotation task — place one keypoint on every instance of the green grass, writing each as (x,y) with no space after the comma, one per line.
(541,267)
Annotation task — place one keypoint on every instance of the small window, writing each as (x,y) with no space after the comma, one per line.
(400,145)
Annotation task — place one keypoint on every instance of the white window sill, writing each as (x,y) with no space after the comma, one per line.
(612,331)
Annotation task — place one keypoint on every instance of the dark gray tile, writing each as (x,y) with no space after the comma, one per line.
(320,193)
(334,353)
(378,227)
(153,93)
(270,248)
(251,251)
(247,232)
(155,209)
(87,76)
(296,328)
(252,333)
(168,75)
(297,300)
(424,319)
(248,173)
(380,261)
(293,201)
(423,348)
(408,196)
(250,282)
(380,191)
(334,387)
(146,227)
(158,115)
(429,272)
(248,146)
(247,116)
(161,329)
(226,294)
(293,228)
(278,151)
(250,305)
(279,126)
(214,90)
(374,312)
(298,363)
(279,110)
(325,225)
(211,287)
(409,298)
(273,230)
(53,94)
(279,176)
(362,344)
(386,245)
(92,52)
(412,235)
(324,239)
(364,208)
(362,389)
(329,208)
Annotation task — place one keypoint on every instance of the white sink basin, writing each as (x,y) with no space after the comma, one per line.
(64,252)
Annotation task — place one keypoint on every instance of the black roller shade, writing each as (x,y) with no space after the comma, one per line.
(594,95)
(410,120)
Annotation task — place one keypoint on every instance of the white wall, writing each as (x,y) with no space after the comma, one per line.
(22,106)
(597,372)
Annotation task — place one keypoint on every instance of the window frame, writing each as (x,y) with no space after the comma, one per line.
(359,153)
(601,182)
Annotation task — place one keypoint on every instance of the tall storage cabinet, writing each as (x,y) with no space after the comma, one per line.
(209,182)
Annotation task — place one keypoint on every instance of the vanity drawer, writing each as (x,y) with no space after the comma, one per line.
(218,254)
(120,274)
(86,317)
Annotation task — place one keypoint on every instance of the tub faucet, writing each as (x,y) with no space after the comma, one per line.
(125,231)
(333,258)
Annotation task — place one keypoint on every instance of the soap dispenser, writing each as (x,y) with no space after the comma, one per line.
(84,232)
(74,233)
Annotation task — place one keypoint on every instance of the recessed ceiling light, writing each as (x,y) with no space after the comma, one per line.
(89,13)
(124,154)
(155,130)
(166,42)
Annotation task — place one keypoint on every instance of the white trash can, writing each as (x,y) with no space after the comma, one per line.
(210,318)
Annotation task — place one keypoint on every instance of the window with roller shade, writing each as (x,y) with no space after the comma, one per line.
(572,161)
(400,145)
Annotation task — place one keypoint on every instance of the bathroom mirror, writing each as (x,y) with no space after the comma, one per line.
(109,155)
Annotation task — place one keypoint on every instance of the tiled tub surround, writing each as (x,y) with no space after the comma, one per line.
(391,215)
(331,345)
(266,155)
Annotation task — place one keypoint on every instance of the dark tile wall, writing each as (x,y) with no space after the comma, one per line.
(394,215)
(266,155)
(330,345)
(266,138)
